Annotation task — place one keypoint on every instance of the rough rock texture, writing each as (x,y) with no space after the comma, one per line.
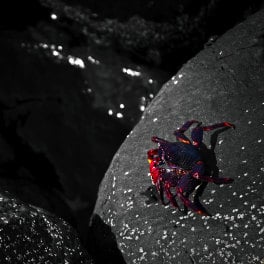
(224,82)
(31,235)
(164,33)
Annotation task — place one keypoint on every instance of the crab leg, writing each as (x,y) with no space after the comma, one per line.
(196,207)
(218,125)
(187,125)
(165,181)
(186,186)
(170,196)
(197,173)
(197,132)
(160,188)
(179,133)
(222,180)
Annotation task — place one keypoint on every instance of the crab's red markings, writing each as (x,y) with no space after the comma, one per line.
(154,161)
(185,165)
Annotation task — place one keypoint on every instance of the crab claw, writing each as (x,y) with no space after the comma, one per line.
(152,153)
(194,206)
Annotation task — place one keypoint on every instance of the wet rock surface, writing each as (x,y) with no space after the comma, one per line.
(163,33)
(224,82)
(32,235)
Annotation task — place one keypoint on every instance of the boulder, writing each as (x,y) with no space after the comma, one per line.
(164,34)
(54,145)
(30,234)
(224,82)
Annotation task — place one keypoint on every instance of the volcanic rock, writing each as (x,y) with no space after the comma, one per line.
(32,235)
(224,82)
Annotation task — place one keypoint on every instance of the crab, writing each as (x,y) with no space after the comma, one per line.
(180,165)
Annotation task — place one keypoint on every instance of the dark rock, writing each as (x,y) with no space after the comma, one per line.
(224,82)
(19,15)
(115,84)
(55,147)
(103,246)
(164,33)
(28,191)
(31,235)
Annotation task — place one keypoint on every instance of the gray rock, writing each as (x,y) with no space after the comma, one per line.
(32,235)
(224,82)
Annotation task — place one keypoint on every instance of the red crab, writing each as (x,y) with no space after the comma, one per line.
(180,165)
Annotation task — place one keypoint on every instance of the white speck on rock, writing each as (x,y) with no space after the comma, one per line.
(164,234)
(114,182)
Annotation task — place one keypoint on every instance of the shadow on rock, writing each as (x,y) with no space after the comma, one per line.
(102,243)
